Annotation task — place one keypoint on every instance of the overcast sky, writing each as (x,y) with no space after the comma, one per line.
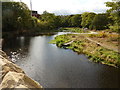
(63,7)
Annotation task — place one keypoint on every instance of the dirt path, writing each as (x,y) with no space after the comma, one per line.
(97,42)
(103,45)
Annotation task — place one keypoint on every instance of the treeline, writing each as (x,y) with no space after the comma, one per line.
(17,17)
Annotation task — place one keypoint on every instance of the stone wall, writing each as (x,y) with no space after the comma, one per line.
(12,76)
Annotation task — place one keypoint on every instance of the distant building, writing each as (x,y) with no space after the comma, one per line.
(35,14)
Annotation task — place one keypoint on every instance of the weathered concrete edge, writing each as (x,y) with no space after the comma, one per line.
(13,76)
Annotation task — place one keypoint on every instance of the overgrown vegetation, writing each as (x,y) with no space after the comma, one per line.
(106,35)
(99,35)
(75,29)
(114,15)
(95,52)
(17,17)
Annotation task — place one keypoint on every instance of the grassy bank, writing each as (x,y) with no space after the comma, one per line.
(74,29)
(94,51)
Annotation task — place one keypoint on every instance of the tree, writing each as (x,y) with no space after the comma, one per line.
(100,22)
(114,13)
(51,19)
(87,18)
(57,21)
(65,21)
(76,20)
(46,16)
(15,16)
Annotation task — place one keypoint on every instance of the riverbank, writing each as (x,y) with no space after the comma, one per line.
(97,52)
(14,77)
(36,32)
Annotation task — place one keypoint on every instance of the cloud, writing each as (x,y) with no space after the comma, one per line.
(68,6)
(62,12)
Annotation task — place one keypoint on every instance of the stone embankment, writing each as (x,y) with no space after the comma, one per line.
(12,76)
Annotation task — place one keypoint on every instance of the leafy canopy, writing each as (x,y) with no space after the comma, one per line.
(114,13)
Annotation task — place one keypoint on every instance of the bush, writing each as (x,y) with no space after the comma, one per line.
(115,28)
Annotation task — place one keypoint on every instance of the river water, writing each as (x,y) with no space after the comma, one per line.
(55,67)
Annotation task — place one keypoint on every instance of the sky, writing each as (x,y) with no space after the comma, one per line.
(67,7)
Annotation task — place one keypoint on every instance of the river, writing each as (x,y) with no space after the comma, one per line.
(55,67)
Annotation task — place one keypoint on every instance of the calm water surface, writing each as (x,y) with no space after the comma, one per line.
(54,67)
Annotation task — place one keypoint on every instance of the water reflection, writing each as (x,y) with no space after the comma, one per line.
(22,39)
(16,47)
(54,67)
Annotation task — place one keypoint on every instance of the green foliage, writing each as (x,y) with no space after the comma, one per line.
(15,16)
(60,40)
(47,16)
(65,21)
(75,29)
(87,19)
(77,46)
(50,20)
(114,13)
(115,28)
(99,35)
(76,20)
(34,22)
(100,22)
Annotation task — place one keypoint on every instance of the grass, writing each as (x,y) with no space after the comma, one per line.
(109,39)
(59,40)
(74,29)
(104,35)
(99,35)
(93,51)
